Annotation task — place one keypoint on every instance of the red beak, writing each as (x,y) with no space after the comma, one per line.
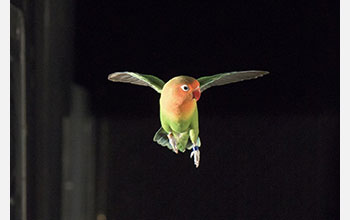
(196,94)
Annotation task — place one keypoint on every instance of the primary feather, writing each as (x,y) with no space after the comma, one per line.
(230,77)
(138,79)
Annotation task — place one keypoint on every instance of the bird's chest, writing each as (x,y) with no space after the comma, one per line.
(179,112)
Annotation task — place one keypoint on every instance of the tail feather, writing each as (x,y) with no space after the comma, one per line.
(161,137)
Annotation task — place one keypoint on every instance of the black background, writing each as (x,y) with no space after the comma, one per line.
(270,146)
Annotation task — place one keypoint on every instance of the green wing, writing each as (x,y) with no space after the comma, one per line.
(137,79)
(230,77)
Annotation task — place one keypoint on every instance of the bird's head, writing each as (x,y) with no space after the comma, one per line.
(183,88)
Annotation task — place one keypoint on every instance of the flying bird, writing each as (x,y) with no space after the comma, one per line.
(178,105)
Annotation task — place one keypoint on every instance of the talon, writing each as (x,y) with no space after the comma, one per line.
(173,143)
(196,155)
(175,150)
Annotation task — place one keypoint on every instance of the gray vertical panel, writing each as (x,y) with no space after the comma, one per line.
(78,159)
(18,114)
(53,65)
(102,167)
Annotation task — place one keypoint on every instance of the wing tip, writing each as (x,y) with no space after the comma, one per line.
(263,72)
(112,75)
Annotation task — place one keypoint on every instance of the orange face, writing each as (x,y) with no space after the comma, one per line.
(188,90)
(179,95)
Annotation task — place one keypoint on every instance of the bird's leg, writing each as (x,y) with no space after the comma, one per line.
(172,142)
(195,153)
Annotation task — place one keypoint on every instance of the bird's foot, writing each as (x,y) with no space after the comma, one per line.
(196,155)
(172,142)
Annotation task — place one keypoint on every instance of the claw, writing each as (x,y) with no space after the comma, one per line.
(172,143)
(196,155)
(175,149)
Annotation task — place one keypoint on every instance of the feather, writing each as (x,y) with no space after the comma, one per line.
(162,139)
(230,77)
(138,79)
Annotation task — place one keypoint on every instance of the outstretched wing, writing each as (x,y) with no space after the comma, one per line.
(137,79)
(230,77)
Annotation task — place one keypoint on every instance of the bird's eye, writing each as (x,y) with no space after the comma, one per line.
(184,88)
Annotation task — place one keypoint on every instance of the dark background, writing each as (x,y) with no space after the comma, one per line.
(270,146)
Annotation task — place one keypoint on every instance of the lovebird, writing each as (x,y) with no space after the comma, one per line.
(178,105)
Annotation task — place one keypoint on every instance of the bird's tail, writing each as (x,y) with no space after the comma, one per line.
(161,137)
